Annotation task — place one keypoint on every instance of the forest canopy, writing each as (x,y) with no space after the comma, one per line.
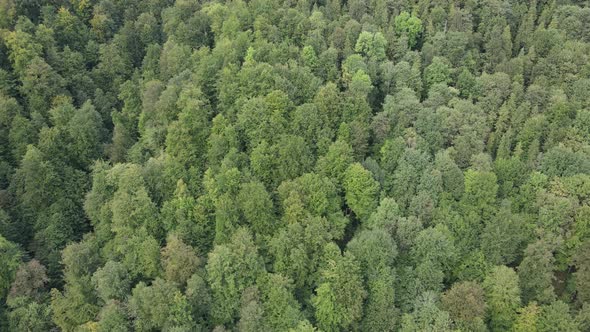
(297,166)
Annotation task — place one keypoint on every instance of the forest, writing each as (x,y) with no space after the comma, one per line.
(294,165)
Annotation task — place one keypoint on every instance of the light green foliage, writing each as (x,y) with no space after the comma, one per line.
(179,261)
(535,273)
(30,316)
(340,294)
(41,84)
(383,165)
(386,215)
(76,305)
(186,139)
(437,72)
(231,268)
(312,195)
(159,306)
(373,45)
(502,296)
(374,249)
(281,311)
(582,275)
(141,255)
(114,318)
(336,161)
(408,26)
(10,258)
(257,208)
(23,49)
(297,248)
(480,193)
(112,281)
(435,244)
(527,318)
(556,317)
(361,190)
(426,316)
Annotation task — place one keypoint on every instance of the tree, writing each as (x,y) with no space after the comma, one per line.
(502,296)
(231,268)
(29,280)
(426,316)
(23,49)
(408,26)
(112,281)
(77,304)
(141,254)
(154,306)
(504,236)
(29,316)
(87,133)
(535,272)
(582,274)
(186,138)
(179,261)
(313,195)
(361,190)
(132,210)
(40,85)
(372,45)
(556,317)
(374,249)
(281,311)
(480,193)
(336,161)
(380,312)
(10,258)
(251,311)
(465,303)
(198,296)
(376,252)
(113,317)
(340,294)
(435,244)
(22,133)
(257,207)
(527,318)
(438,72)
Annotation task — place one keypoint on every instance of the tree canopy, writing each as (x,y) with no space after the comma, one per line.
(271,165)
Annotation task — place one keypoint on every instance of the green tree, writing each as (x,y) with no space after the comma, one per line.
(408,26)
(113,317)
(372,45)
(426,315)
(535,273)
(257,207)
(361,190)
(340,294)
(231,268)
(40,84)
(527,318)
(465,303)
(11,259)
(155,306)
(556,317)
(502,296)
(112,281)
(582,274)
(179,260)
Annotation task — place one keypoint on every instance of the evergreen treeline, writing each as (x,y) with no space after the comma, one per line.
(283,165)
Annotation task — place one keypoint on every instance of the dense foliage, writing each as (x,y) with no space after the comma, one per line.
(310,165)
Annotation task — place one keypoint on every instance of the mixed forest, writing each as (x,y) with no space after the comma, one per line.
(294,165)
